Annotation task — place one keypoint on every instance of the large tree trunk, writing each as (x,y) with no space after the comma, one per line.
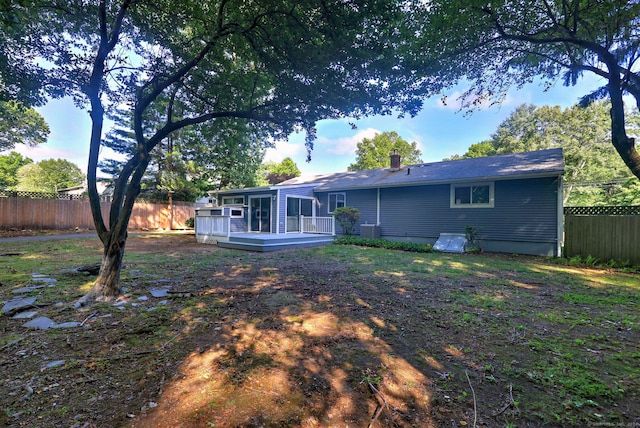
(108,282)
(107,285)
(625,146)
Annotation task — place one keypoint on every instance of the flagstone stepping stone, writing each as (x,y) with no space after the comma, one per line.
(17,305)
(55,363)
(29,289)
(69,324)
(25,315)
(143,298)
(41,323)
(46,280)
(159,292)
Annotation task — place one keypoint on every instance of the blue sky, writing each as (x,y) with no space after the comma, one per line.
(439,130)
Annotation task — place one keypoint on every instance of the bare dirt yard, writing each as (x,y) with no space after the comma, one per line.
(337,336)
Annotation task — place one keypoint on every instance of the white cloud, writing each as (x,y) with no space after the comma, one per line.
(283,149)
(345,145)
(43,152)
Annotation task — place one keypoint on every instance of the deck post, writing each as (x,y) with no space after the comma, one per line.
(333,226)
(228,226)
(301,224)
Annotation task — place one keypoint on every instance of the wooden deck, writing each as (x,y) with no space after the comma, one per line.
(271,241)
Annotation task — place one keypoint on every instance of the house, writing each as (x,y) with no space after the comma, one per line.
(514,200)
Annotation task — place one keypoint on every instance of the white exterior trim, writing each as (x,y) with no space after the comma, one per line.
(278,212)
(452,195)
(286,206)
(560,237)
(344,194)
(249,211)
(378,208)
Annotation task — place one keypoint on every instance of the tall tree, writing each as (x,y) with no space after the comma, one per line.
(49,176)
(278,172)
(9,166)
(190,161)
(499,44)
(284,63)
(20,124)
(374,152)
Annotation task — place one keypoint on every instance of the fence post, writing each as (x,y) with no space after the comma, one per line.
(333,226)
(301,224)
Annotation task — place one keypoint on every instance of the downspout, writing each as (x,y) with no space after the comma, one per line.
(277,211)
(378,208)
(560,237)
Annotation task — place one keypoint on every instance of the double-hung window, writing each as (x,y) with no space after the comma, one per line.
(477,195)
(336,200)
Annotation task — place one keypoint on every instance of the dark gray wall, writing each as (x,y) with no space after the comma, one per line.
(524,216)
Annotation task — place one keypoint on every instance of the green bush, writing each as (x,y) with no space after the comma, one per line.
(347,218)
(190,223)
(383,243)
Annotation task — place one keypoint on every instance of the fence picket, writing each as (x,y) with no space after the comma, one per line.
(606,233)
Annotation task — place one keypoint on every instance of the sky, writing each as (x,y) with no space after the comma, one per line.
(439,130)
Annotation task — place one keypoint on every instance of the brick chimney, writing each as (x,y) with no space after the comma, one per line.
(395,161)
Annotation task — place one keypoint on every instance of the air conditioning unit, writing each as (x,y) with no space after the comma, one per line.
(371,231)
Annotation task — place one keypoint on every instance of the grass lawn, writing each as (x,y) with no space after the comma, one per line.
(333,336)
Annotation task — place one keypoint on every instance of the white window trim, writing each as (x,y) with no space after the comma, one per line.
(453,187)
(309,198)
(232,209)
(344,195)
(232,197)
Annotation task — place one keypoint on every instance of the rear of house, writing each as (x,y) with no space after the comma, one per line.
(514,202)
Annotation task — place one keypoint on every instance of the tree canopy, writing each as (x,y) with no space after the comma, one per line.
(191,161)
(9,166)
(49,176)
(278,172)
(495,45)
(283,63)
(374,152)
(20,124)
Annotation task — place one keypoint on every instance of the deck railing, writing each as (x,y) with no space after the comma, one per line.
(323,225)
(217,225)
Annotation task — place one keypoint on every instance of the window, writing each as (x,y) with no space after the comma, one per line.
(472,195)
(233,200)
(336,200)
(237,212)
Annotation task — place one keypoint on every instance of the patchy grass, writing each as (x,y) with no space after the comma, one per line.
(332,336)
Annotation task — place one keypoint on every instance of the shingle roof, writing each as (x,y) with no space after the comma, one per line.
(519,165)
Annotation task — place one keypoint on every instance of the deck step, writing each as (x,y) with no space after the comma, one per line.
(274,243)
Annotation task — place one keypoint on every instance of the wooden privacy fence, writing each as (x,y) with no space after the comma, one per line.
(607,233)
(24,213)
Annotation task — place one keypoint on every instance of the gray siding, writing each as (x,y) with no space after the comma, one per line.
(365,200)
(524,211)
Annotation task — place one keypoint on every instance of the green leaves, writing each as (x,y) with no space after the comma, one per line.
(374,152)
(20,124)
(49,176)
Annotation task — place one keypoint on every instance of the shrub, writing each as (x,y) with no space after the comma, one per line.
(347,218)
(190,223)
(383,243)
